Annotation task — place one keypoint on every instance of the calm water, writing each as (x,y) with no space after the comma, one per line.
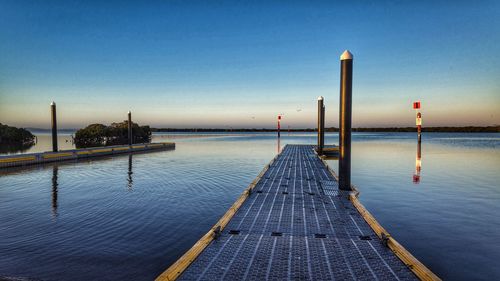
(129,217)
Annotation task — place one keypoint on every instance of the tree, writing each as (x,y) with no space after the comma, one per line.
(92,135)
(15,136)
(116,133)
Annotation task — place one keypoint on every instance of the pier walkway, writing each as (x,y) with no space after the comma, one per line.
(14,160)
(292,223)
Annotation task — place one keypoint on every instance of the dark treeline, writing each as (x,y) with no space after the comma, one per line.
(14,139)
(467,129)
(208,130)
(13,135)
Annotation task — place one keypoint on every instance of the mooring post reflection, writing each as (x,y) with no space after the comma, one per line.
(55,184)
(279,145)
(418,163)
(130,181)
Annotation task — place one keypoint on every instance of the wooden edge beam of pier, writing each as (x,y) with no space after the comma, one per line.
(73,154)
(185,260)
(418,268)
(293,222)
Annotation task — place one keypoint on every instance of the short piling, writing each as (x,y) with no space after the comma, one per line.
(54,126)
(419,126)
(279,126)
(416,106)
(345,120)
(130,128)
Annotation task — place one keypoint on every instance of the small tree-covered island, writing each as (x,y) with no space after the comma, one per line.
(15,139)
(13,135)
(114,134)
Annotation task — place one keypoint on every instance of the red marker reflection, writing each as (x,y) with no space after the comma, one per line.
(418,164)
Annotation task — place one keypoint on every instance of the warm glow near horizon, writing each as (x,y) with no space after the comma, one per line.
(193,65)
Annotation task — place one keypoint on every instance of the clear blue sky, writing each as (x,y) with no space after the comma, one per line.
(239,64)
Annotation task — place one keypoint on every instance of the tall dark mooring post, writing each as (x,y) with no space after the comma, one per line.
(54,126)
(345,121)
(323,127)
(321,121)
(129,128)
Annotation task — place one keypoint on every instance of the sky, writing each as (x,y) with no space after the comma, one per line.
(223,64)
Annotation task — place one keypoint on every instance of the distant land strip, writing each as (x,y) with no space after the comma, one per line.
(467,129)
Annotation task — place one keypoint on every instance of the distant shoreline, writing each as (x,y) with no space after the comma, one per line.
(466,129)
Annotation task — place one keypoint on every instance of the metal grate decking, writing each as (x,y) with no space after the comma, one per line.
(297,225)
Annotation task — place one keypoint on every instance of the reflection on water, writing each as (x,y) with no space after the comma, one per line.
(90,227)
(128,217)
(55,185)
(43,143)
(130,181)
(418,162)
(9,148)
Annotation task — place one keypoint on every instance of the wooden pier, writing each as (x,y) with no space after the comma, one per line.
(73,154)
(293,223)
